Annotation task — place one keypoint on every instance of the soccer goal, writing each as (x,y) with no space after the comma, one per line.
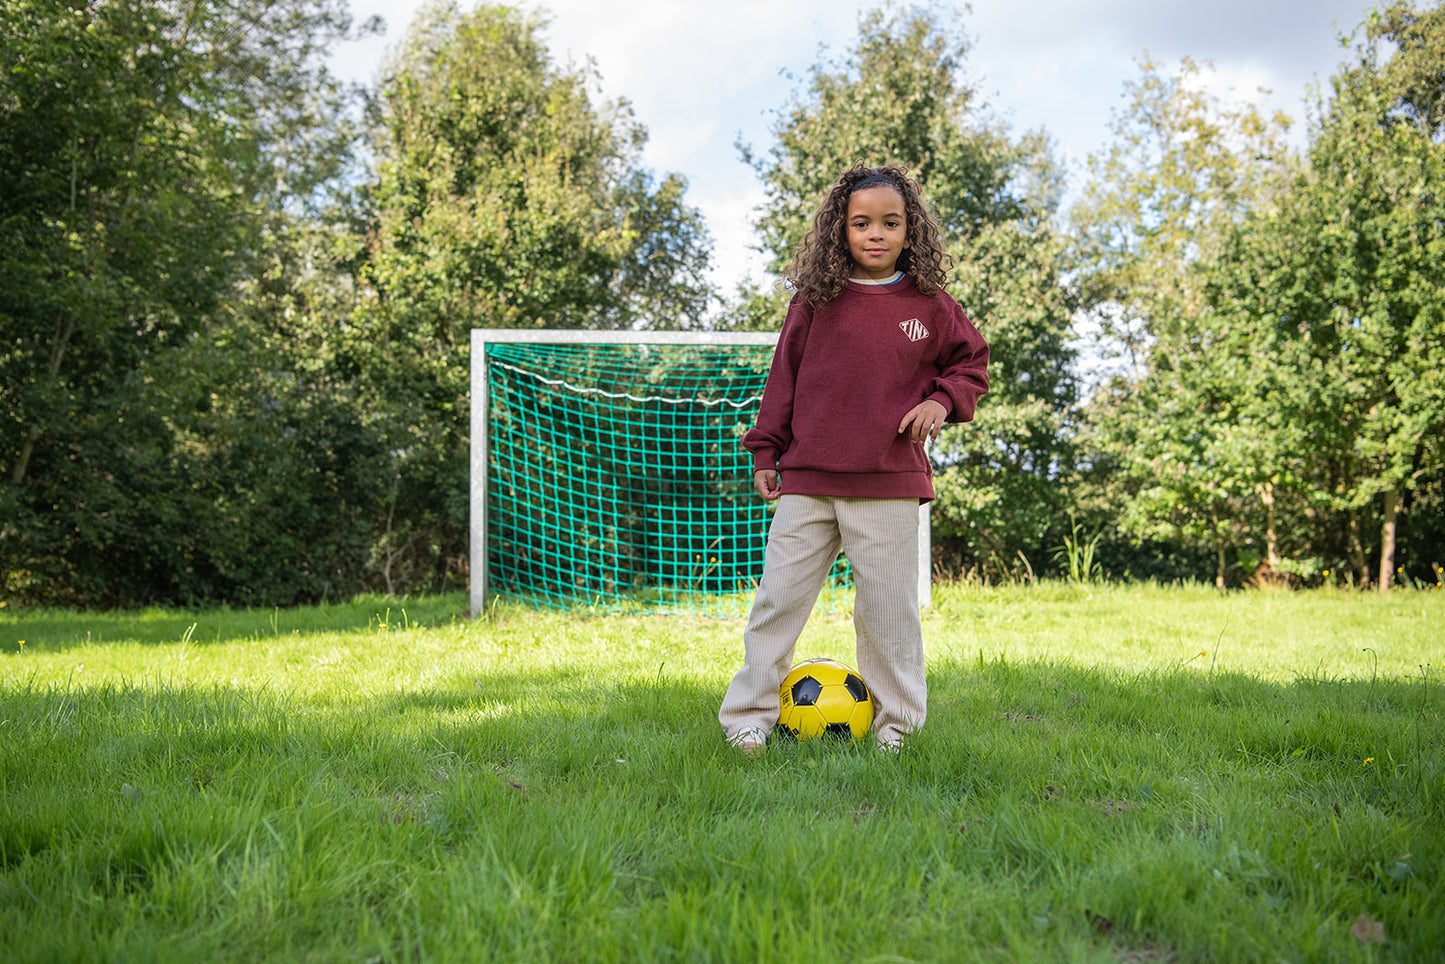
(607,470)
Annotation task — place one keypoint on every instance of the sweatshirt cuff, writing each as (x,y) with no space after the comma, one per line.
(943,399)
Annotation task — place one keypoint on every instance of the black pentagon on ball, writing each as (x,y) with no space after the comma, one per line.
(806,691)
(841,730)
(857,687)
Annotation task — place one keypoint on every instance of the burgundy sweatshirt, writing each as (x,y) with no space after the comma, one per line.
(843,376)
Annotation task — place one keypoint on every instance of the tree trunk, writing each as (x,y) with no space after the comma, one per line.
(65,329)
(1357,553)
(1219,568)
(1271,539)
(22,461)
(1387,538)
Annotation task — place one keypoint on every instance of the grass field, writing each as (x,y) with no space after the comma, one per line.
(1109,773)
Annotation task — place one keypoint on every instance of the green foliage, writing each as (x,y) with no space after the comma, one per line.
(900,96)
(1282,321)
(283,462)
(1077,553)
(1153,226)
(147,148)
(233,346)
(1183,168)
(234,362)
(503,198)
(1368,329)
(1006,478)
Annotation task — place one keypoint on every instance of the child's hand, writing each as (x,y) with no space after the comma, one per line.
(765,481)
(923,421)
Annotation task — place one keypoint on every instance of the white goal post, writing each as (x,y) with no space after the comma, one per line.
(480,384)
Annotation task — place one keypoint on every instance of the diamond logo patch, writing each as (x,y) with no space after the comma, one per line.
(914,329)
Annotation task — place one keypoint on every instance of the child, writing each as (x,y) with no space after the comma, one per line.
(873,358)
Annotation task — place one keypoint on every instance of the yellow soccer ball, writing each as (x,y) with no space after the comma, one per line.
(823,697)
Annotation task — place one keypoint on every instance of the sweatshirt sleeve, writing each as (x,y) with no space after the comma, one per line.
(963,368)
(773,433)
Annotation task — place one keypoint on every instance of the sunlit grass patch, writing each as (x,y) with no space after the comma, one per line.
(1141,773)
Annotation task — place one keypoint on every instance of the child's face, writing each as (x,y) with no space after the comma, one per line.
(877,232)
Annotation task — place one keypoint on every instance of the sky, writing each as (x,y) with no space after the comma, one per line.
(702,76)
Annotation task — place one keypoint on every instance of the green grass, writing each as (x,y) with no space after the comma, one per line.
(1135,774)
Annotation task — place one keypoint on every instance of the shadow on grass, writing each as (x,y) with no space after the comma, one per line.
(57,630)
(1073,793)
(1033,746)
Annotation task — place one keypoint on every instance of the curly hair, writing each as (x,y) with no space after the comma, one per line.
(822,263)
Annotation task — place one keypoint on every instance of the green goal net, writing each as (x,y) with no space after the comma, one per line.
(612,475)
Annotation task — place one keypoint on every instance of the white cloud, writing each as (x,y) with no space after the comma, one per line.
(700,75)
(730,218)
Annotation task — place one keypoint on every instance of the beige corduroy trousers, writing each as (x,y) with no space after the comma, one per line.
(880,539)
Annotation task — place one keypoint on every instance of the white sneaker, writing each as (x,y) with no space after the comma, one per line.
(750,743)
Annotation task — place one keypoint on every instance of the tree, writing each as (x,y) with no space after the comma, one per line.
(1153,229)
(1344,276)
(1282,316)
(1183,168)
(503,198)
(102,155)
(899,96)
(145,146)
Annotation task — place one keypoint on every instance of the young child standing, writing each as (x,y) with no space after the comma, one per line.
(873,358)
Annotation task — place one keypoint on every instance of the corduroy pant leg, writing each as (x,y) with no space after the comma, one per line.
(880,539)
(802,546)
